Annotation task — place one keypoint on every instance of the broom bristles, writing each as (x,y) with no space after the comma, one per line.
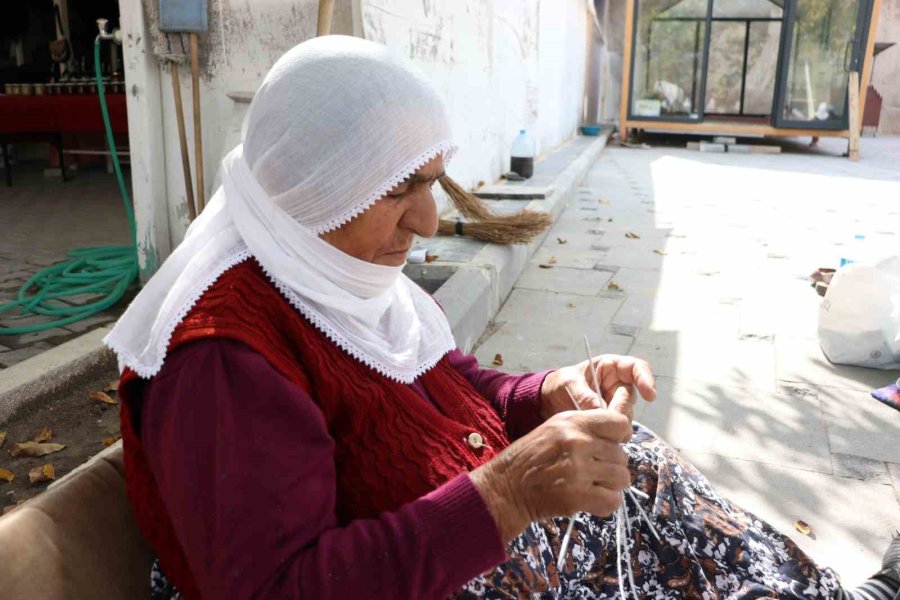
(486,225)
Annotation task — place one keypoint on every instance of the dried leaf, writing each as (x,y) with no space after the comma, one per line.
(498,360)
(102,397)
(545,266)
(570,304)
(6,475)
(34,449)
(803,527)
(613,287)
(2,437)
(430,258)
(109,441)
(112,386)
(632,236)
(43,435)
(602,201)
(562,240)
(41,474)
(552,260)
(660,252)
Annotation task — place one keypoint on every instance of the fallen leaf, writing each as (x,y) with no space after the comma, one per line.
(632,236)
(498,360)
(430,258)
(613,286)
(112,386)
(41,474)
(43,435)
(109,441)
(2,437)
(571,305)
(34,449)
(602,201)
(562,240)
(543,266)
(6,475)
(803,527)
(660,252)
(552,260)
(102,397)
(609,220)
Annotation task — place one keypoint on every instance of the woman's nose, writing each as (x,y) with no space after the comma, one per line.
(421,218)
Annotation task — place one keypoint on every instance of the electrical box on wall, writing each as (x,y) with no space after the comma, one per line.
(183,15)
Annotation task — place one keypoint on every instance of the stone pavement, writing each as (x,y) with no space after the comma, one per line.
(714,293)
(42,218)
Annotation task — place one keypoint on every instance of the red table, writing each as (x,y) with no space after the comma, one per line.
(56,115)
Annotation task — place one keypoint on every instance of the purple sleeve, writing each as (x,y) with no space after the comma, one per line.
(245,467)
(516,398)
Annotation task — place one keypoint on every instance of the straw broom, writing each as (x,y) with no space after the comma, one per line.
(484,224)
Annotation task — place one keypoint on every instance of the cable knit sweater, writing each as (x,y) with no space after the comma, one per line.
(272,492)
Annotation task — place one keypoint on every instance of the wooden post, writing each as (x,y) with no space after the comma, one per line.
(868,59)
(853,117)
(626,69)
(198,135)
(182,141)
(326,10)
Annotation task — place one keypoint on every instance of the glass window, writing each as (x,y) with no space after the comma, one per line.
(748,9)
(668,58)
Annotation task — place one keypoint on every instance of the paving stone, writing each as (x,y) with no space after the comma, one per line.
(541,330)
(752,424)
(561,279)
(90,323)
(859,467)
(802,361)
(11,357)
(860,425)
(708,357)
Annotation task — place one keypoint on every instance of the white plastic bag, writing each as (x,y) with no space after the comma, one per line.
(859,319)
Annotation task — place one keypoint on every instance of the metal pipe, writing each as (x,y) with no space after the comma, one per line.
(198,136)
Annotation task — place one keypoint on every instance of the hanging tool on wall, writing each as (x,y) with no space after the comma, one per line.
(174,26)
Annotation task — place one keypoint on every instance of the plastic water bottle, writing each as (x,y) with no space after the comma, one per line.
(523,152)
(855,250)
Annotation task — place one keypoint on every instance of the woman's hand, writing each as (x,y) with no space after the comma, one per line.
(573,462)
(617,375)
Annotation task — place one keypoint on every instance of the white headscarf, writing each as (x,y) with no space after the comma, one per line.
(337,123)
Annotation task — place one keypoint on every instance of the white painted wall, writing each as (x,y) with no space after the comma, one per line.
(501,65)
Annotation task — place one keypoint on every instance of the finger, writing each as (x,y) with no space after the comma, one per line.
(644,379)
(603,502)
(623,401)
(605,424)
(630,370)
(579,390)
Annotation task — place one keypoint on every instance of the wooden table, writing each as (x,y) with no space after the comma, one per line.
(54,116)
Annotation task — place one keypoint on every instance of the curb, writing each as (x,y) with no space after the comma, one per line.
(53,372)
(474,294)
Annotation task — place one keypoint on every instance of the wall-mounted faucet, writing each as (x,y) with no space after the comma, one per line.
(115,36)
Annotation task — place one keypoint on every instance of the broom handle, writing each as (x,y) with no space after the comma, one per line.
(326,10)
(198,136)
(182,140)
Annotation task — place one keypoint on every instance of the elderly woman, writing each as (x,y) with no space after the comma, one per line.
(298,422)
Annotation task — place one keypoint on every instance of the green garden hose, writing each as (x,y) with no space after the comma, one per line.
(104,271)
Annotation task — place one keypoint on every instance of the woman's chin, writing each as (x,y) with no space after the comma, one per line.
(395,259)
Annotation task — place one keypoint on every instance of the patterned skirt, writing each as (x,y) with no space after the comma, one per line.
(704,546)
(700,546)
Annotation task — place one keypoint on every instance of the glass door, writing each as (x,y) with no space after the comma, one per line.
(823,40)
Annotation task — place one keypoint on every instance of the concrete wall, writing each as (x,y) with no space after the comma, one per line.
(886,74)
(501,65)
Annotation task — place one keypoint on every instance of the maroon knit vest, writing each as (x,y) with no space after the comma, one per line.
(391,445)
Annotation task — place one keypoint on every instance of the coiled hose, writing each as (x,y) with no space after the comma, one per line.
(105,271)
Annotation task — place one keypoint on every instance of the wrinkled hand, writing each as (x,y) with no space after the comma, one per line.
(617,376)
(573,462)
